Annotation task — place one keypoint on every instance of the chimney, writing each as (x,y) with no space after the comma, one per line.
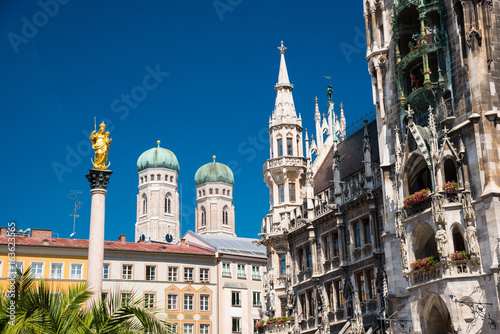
(3,231)
(183,242)
(41,233)
(121,238)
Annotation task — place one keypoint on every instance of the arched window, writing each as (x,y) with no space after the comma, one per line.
(142,179)
(436,317)
(225,220)
(229,192)
(203,217)
(144,204)
(458,239)
(152,177)
(168,203)
(424,241)
(166,177)
(203,192)
(158,177)
(418,176)
(289,144)
(450,171)
(171,179)
(279,143)
(199,193)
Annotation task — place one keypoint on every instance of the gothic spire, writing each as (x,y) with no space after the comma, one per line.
(284,106)
(342,131)
(283,74)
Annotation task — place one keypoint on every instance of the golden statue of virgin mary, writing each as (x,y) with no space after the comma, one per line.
(100,143)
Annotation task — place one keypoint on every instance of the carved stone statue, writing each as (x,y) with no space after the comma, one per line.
(357,324)
(100,144)
(441,240)
(471,239)
(404,255)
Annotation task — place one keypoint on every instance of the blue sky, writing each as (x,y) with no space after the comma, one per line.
(216,64)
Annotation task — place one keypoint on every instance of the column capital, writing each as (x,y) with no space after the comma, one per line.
(98,178)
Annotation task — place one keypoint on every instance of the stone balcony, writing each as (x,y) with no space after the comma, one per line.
(416,209)
(284,161)
(278,328)
(443,271)
(421,276)
(450,202)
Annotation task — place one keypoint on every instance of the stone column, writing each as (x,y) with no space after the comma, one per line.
(342,242)
(374,28)
(385,27)
(98,181)
(367,28)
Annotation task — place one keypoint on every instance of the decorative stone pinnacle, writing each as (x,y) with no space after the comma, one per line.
(98,178)
(282,48)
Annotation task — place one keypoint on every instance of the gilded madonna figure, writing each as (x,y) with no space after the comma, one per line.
(100,143)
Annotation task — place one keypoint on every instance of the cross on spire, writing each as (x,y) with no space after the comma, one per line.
(409,112)
(282,48)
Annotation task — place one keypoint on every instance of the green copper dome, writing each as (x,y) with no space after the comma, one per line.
(214,172)
(158,157)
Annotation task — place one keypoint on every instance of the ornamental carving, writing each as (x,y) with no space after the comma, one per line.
(98,178)
(286,161)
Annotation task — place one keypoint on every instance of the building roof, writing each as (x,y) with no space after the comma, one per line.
(233,245)
(158,157)
(214,172)
(351,158)
(110,245)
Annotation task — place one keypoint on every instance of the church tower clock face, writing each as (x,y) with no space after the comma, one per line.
(168,237)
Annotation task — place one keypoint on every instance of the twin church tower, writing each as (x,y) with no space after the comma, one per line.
(158,198)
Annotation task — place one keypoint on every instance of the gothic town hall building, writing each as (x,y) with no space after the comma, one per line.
(396,227)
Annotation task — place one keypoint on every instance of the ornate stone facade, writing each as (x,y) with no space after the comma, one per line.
(437,103)
(325,263)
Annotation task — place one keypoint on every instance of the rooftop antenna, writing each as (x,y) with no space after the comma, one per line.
(78,204)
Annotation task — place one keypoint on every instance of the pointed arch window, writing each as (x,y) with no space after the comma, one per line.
(289,145)
(168,204)
(171,179)
(203,216)
(458,240)
(144,204)
(280,147)
(450,171)
(225,216)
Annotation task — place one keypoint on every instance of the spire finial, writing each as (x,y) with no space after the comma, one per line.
(158,142)
(213,157)
(282,48)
